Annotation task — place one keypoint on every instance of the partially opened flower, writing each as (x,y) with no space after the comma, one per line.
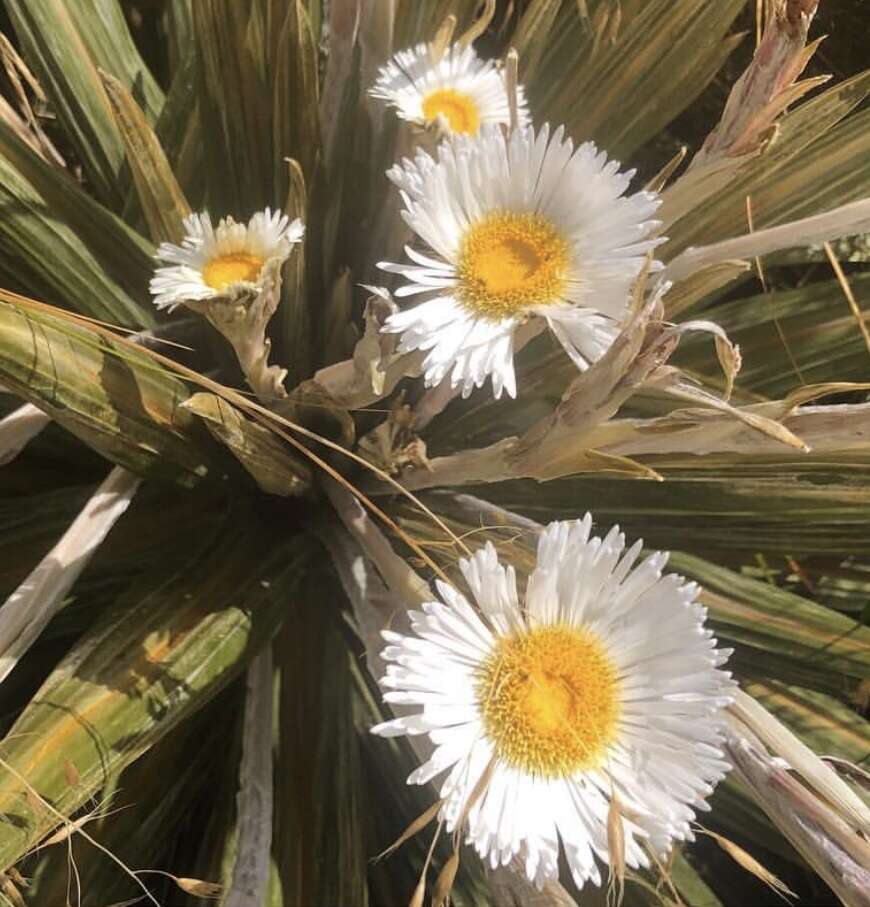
(222,261)
(528,227)
(600,686)
(460,92)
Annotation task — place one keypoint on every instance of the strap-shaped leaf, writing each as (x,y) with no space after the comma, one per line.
(112,396)
(64,44)
(817,161)
(142,670)
(647,60)
(76,234)
(42,248)
(163,202)
(261,453)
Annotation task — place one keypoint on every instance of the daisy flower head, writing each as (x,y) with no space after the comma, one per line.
(517,228)
(600,686)
(458,93)
(224,261)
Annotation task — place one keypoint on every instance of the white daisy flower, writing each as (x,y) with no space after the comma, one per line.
(602,681)
(527,227)
(221,261)
(459,93)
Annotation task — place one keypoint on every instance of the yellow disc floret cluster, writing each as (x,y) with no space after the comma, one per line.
(549,699)
(509,262)
(457,108)
(237,267)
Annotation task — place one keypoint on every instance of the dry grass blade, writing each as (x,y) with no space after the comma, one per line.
(818,832)
(65,832)
(850,296)
(399,576)
(481,786)
(659,181)
(10,893)
(419,893)
(80,831)
(444,882)
(30,130)
(414,828)
(199,888)
(750,864)
(439,44)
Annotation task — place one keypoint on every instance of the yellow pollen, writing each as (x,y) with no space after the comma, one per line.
(509,262)
(457,108)
(224,270)
(550,702)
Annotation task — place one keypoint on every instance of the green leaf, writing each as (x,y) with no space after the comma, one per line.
(830,648)
(144,669)
(162,200)
(235,105)
(690,883)
(65,43)
(649,62)
(294,317)
(122,253)
(179,128)
(819,329)
(293,79)
(46,254)
(727,504)
(111,395)
(144,809)
(261,452)
(322,849)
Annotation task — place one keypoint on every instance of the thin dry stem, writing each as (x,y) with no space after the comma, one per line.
(847,292)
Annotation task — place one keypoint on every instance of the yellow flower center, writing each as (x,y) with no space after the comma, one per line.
(509,262)
(236,267)
(457,108)
(549,698)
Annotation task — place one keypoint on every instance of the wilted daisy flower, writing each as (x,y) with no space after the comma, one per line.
(527,227)
(460,92)
(221,261)
(602,684)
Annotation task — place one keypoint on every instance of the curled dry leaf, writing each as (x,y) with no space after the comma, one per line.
(748,122)
(375,368)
